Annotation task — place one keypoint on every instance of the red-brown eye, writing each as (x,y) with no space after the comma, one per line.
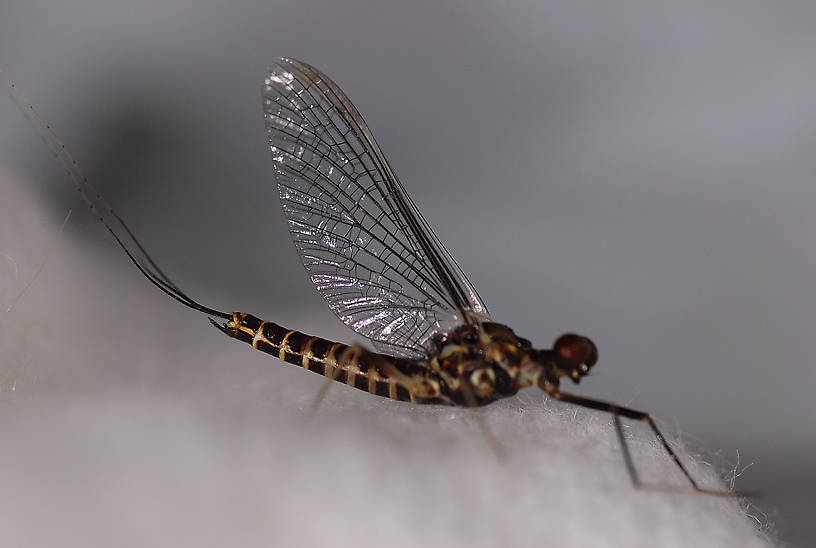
(577,349)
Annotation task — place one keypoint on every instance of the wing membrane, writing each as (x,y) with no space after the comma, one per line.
(367,249)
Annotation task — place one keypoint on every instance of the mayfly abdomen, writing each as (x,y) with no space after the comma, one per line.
(352,365)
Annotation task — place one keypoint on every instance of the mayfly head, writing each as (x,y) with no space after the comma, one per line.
(575,355)
(572,356)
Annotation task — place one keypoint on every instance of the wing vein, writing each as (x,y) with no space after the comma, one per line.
(369,252)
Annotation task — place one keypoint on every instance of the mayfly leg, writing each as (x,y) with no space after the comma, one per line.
(491,439)
(321,394)
(331,376)
(618,412)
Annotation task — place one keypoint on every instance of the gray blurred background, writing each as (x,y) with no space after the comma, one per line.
(640,173)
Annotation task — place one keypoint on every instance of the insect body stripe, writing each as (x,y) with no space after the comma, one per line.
(282,348)
(259,336)
(394,378)
(274,333)
(307,353)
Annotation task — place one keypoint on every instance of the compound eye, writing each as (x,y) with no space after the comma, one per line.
(577,349)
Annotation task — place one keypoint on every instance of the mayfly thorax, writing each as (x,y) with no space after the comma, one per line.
(373,257)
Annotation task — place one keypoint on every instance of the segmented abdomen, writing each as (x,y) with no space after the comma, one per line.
(355,366)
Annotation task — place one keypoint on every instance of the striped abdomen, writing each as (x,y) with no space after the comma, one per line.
(396,378)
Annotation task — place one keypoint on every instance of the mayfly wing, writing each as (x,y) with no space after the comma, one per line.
(367,249)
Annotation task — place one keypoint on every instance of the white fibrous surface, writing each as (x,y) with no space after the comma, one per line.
(126,420)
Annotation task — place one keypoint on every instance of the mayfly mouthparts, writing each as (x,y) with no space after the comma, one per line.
(381,269)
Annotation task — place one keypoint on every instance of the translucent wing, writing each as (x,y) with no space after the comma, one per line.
(367,249)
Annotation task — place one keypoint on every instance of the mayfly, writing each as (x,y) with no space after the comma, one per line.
(375,260)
